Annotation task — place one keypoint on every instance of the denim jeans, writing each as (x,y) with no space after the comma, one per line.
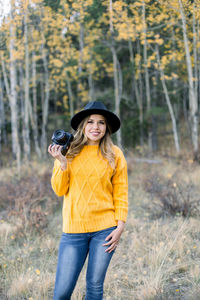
(73,250)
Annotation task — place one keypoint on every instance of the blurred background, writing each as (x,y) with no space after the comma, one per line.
(141,58)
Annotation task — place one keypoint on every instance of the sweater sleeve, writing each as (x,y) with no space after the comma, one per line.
(120,187)
(60,179)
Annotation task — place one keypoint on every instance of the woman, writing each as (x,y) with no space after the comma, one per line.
(92,177)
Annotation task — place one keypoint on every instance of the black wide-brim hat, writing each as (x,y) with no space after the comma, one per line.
(96,107)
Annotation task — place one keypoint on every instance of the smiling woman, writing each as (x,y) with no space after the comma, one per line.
(92,177)
(95,129)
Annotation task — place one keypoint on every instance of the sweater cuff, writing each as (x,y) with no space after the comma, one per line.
(121,215)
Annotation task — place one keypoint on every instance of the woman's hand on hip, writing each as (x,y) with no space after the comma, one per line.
(113,238)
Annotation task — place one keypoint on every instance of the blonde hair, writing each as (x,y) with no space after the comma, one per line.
(80,140)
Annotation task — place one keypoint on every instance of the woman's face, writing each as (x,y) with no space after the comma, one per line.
(95,129)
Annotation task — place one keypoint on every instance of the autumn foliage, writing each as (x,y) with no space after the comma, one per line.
(140,57)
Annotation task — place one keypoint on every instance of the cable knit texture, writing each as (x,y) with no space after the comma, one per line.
(95,195)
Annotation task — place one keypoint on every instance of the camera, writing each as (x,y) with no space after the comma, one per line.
(62,138)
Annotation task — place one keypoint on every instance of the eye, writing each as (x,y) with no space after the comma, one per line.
(102,122)
(90,121)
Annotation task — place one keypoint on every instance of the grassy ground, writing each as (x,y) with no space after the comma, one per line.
(157,258)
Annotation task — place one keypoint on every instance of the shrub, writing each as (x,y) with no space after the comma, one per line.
(30,199)
(170,197)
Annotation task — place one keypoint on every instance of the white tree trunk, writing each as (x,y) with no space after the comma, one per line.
(192,99)
(171,111)
(137,93)
(2,119)
(13,94)
(91,84)
(71,96)
(45,105)
(116,77)
(149,114)
(195,52)
(27,147)
(33,110)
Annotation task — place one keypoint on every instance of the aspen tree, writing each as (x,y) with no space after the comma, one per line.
(45,108)
(27,147)
(2,114)
(33,108)
(146,71)
(170,107)
(115,70)
(192,96)
(16,150)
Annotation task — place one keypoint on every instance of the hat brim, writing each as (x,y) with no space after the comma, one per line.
(112,119)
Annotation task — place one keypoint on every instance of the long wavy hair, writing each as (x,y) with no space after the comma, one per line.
(80,140)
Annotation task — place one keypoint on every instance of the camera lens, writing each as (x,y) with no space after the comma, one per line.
(60,137)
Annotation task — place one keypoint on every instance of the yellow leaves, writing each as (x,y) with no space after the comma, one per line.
(123,35)
(123,31)
(151,18)
(58,63)
(84,95)
(37,271)
(36,57)
(174,4)
(166,77)
(88,2)
(159,41)
(164,60)
(152,56)
(175,76)
(17,55)
(138,59)
(76,5)
(65,6)
(139,27)
(36,35)
(109,68)
(65,101)
(118,6)
(38,1)
(138,3)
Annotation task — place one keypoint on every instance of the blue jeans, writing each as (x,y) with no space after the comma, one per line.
(73,251)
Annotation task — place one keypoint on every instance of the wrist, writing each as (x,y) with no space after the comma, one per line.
(63,164)
(121,225)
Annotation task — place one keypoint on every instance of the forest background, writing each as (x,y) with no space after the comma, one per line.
(142,59)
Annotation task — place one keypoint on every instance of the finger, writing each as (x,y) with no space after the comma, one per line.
(49,149)
(108,243)
(58,148)
(53,148)
(111,242)
(109,236)
(111,248)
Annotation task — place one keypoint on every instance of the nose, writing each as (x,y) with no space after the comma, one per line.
(96,125)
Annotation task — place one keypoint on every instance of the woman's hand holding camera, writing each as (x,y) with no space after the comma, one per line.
(55,151)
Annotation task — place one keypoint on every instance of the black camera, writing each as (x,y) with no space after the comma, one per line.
(62,138)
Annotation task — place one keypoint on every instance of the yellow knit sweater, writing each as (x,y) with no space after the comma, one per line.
(95,195)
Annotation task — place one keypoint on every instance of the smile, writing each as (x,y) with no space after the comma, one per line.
(95,133)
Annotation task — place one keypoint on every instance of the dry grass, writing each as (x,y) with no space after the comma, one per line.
(155,260)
